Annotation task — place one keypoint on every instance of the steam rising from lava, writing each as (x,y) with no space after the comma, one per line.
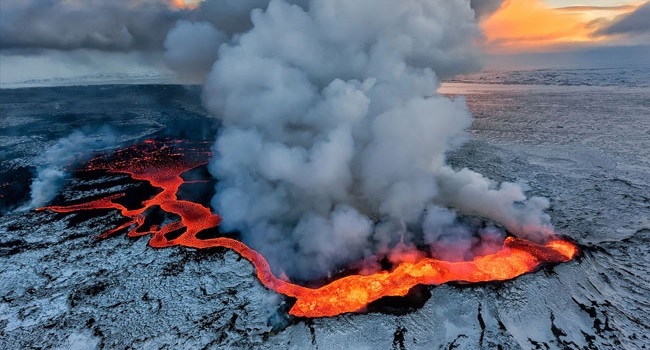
(162,164)
(334,137)
(191,48)
(332,151)
(51,174)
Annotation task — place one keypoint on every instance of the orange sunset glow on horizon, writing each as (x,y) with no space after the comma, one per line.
(184,4)
(535,26)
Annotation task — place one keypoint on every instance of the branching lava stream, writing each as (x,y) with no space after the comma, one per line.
(162,165)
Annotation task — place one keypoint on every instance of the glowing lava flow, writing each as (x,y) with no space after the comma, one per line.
(162,166)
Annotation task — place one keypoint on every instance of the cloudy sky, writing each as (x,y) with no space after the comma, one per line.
(522,26)
(45,39)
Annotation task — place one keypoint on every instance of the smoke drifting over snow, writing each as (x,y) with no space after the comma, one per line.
(333,142)
(51,174)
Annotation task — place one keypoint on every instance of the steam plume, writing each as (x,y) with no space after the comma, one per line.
(334,138)
(51,174)
(192,47)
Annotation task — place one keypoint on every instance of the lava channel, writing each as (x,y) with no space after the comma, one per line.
(162,164)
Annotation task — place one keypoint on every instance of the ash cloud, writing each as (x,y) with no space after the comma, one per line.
(334,138)
(192,45)
(51,174)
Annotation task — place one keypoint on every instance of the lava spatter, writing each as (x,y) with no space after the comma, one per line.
(162,164)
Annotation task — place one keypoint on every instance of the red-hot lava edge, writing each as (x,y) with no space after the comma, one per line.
(162,165)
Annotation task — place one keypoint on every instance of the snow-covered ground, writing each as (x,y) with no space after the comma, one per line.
(51,68)
(585,148)
(633,76)
(94,79)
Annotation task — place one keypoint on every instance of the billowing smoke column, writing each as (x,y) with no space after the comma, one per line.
(334,138)
(192,48)
(51,174)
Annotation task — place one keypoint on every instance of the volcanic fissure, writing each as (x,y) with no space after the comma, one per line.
(161,164)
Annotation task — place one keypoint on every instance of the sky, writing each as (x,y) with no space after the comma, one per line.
(543,26)
(59,39)
(564,3)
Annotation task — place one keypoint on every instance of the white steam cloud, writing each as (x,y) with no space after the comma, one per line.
(52,175)
(333,140)
(192,47)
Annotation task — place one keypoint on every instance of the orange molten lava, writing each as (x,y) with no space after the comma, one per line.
(162,166)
